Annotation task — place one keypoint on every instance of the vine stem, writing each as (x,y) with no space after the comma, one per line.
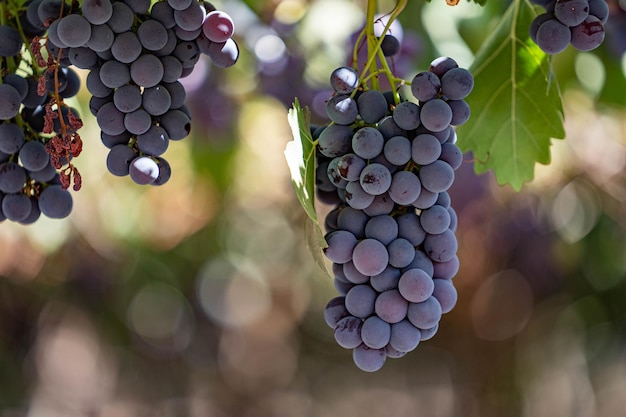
(376,73)
(57,97)
(372,6)
(373,44)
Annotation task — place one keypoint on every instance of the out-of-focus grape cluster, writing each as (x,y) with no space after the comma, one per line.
(135,52)
(576,22)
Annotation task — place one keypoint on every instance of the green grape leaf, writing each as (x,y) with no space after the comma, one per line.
(516,103)
(300,155)
(316,243)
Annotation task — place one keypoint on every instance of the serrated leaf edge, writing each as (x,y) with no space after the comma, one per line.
(512,82)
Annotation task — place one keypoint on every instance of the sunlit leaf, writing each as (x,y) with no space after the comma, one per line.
(516,105)
(300,154)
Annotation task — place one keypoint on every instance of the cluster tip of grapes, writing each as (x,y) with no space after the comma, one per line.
(136,52)
(387,164)
(576,22)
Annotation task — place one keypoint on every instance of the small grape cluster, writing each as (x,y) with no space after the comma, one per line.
(38,130)
(136,55)
(387,164)
(579,22)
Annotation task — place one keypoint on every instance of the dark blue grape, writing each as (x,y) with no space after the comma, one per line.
(372,106)
(16,207)
(10,41)
(55,202)
(553,36)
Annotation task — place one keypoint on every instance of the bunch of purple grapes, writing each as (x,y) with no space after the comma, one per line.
(387,164)
(136,54)
(579,22)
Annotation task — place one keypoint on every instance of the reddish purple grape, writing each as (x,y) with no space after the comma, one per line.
(218,26)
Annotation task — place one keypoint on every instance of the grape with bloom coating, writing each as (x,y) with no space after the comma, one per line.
(368,142)
(426,314)
(391,306)
(457,83)
(16,207)
(571,12)
(425,86)
(404,336)
(415,285)
(588,35)
(370,257)
(375,179)
(375,332)
(97,12)
(341,243)
(360,301)
(348,332)
(367,359)
(55,202)
(372,106)
(553,36)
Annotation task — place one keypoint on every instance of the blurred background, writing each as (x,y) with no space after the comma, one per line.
(199,298)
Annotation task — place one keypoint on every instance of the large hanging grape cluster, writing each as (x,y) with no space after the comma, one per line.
(579,22)
(389,164)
